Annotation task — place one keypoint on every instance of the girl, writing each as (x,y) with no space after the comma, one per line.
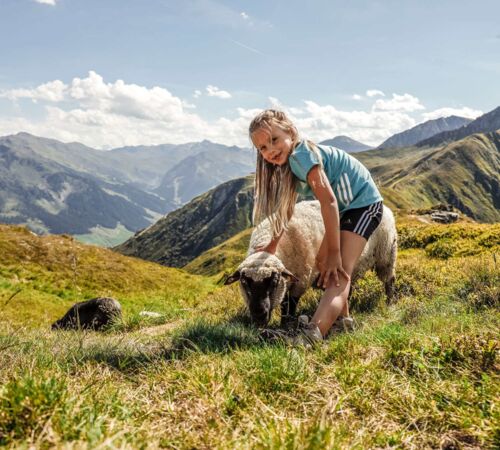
(351,206)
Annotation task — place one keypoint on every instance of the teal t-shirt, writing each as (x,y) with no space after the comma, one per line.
(350,180)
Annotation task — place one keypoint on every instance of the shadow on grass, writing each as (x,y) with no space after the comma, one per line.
(198,337)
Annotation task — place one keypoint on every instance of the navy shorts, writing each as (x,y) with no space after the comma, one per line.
(362,221)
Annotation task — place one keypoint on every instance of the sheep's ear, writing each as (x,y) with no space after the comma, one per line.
(232,278)
(289,276)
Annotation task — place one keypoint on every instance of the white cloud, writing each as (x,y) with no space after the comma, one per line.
(244,15)
(322,122)
(105,114)
(214,91)
(197,93)
(374,93)
(52,91)
(356,97)
(446,112)
(405,102)
(47,2)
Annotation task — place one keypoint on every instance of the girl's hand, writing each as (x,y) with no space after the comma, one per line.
(330,266)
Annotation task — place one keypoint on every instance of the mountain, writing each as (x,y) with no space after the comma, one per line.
(347,144)
(203,223)
(423,131)
(486,123)
(105,196)
(197,174)
(53,198)
(149,166)
(464,174)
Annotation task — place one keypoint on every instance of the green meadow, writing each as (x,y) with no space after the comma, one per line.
(422,373)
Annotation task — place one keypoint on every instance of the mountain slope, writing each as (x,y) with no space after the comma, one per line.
(484,124)
(197,174)
(203,223)
(347,144)
(464,174)
(423,131)
(53,198)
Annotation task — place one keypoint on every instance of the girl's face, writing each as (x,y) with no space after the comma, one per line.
(275,145)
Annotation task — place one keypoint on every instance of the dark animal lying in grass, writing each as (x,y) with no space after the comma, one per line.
(93,314)
(268,281)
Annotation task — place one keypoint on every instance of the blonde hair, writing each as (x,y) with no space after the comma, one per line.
(275,194)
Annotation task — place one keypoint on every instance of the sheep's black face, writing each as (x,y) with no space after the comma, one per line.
(259,295)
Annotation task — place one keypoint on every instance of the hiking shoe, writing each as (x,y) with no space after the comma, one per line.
(307,337)
(342,325)
(307,334)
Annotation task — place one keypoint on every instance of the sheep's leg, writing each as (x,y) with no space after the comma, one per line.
(385,271)
(390,290)
(288,310)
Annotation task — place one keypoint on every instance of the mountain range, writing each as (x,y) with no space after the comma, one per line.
(105,196)
(347,144)
(483,124)
(463,174)
(423,131)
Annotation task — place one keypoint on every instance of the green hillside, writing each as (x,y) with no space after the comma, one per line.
(203,223)
(423,373)
(463,174)
(41,277)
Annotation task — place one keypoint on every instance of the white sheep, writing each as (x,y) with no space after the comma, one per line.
(267,280)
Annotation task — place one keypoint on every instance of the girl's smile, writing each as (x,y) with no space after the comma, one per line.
(274,144)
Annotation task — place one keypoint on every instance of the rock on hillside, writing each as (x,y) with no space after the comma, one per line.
(423,131)
(203,223)
(484,124)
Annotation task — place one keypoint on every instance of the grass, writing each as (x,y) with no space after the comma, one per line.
(423,373)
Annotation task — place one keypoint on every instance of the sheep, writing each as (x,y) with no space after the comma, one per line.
(93,314)
(267,281)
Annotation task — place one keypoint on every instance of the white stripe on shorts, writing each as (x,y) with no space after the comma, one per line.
(372,215)
(365,218)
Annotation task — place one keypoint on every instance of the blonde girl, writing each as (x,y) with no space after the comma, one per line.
(351,205)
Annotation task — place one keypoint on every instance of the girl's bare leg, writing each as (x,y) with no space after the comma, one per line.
(334,300)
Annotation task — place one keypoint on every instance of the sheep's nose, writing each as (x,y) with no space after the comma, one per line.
(260,318)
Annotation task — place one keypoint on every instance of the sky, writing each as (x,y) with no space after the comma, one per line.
(112,73)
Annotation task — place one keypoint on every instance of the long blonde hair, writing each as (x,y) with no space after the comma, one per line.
(275,194)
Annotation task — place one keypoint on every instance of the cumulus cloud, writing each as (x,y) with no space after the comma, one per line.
(244,15)
(405,102)
(104,114)
(47,2)
(446,112)
(320,122)
(214,91)
(53,91)
(374,93)
(356,97)
(197,93)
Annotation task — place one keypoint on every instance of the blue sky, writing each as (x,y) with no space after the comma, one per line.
(124,72)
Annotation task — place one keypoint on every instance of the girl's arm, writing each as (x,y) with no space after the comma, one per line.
(329,258)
